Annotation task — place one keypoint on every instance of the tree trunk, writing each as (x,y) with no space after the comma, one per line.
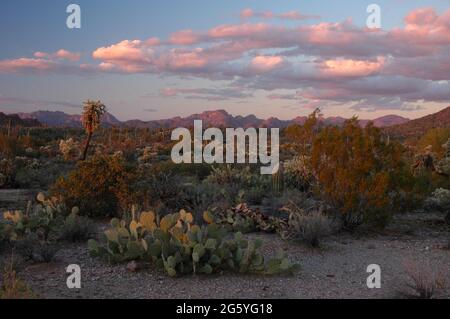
(86,146)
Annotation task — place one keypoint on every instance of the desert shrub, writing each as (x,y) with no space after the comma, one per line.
(435,139)
(7,172)
(240,183)
(100,186)
(309,226)
(201,197)
(76,228)
(155,187)
(425,281)
(354,168)
(237,176)
(254,195)
(200,170)
(10,146)
(287,197)
(4,236)
(40,174)
(440,200)
(179,246)
(12,286)
(31,247)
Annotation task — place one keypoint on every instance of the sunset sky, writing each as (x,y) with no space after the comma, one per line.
(158,59)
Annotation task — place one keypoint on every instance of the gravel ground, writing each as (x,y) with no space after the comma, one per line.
(337,270)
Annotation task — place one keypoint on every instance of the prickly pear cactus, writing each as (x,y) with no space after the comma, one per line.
(181,247)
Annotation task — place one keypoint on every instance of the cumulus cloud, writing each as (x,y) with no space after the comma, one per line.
(266,63)
(352,68)
(326,61)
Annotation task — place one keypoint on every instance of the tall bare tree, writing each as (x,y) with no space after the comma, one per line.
(92,113)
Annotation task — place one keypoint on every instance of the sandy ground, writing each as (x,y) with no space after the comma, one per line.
(337,270)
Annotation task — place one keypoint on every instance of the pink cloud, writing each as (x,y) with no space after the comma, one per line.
(291,15)
(153,41)
(352,68)
(184,37)
(266,63)
(422,16)
(26,64)
(183,59)
(60,54)
(247,13)
(323,61)
(64,54)
(127,50)
(238,30)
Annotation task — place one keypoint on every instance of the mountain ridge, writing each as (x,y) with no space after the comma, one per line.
(417,127)
(216,118)
(16,120)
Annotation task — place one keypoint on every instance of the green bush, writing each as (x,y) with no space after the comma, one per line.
(76,228)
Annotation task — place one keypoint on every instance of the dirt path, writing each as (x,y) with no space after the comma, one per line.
(338,270)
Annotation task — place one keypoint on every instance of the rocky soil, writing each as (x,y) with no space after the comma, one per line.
(336,270)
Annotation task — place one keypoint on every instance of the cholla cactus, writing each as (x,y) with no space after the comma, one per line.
(92,113)
(297,173)
(70,149)
(440,200)
(443,166)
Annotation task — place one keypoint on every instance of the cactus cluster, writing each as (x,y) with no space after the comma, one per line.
(70,149)
(232,220)
(244,219)
(178,245)
(123,242)
(40,219)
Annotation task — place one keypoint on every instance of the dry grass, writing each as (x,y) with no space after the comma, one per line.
(11,287)
(426,281)
(308,226)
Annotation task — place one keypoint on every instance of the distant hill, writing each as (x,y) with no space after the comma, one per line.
(418,127)
(61,119)
(386,121)
(15,120)
(218,118)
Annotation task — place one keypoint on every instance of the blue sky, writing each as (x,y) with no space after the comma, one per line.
(39,26)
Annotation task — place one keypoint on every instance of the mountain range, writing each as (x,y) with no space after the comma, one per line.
(218,118)
(418,127)
(16,120)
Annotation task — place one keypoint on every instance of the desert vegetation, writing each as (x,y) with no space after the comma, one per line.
(115,193)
